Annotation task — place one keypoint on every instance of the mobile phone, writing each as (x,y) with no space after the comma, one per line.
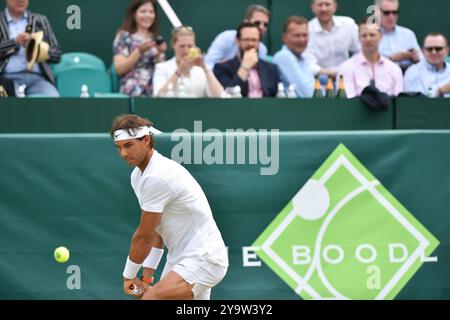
(159,40)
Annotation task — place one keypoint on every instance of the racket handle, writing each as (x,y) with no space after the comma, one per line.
(135,290)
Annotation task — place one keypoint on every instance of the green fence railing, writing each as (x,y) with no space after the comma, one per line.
(95,115)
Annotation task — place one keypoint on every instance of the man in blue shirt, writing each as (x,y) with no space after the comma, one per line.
(14,39)
(294,68)
(224,46)
(432,76)
(398,43)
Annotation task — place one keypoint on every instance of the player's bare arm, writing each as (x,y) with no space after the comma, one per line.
(144,239)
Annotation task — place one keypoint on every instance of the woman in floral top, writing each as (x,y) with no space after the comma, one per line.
(135,50)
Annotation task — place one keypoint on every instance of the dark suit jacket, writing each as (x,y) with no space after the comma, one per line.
(226,73)
(8,47)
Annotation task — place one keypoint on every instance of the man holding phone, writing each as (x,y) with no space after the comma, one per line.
(432,77)
(399,44)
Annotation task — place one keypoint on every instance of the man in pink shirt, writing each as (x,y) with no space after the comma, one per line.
(369,67)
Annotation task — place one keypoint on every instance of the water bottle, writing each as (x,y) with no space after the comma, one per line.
(84,91)
(227,93)
(236,92)
(281,93)
(432,92)
(291,91)
(21,91)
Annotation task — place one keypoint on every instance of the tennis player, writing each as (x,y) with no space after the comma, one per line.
(175,214)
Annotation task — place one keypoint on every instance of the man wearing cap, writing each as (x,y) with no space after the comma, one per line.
(175,214)
(14,39)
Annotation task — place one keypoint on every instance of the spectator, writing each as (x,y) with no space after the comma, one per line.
(369,66)
(137,48)
(224,47)
(398,43)
(187,67)
(294,68)
(331,38)
(14,38)
(256,78)
(431,77)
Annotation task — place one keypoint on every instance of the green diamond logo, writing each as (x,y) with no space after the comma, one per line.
(344,236)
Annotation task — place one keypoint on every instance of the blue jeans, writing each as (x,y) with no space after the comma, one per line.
(35,84)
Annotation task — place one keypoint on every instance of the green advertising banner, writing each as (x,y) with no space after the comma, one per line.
(329,215)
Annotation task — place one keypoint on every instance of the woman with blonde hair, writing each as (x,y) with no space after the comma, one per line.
(186,71)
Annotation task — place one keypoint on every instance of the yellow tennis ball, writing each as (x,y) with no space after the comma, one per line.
(62,254)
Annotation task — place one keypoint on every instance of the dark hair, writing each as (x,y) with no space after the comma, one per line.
(363,20)
(436,34)
(130,25)
(130,121)
(255,8)
(247,25)
(294,19)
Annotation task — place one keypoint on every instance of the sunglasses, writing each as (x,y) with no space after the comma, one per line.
(393,12)
(437,49)
(258,23)
(178,29)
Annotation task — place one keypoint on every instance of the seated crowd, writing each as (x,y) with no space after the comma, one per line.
(384,56)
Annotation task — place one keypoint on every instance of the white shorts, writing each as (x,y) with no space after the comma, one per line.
(200,272)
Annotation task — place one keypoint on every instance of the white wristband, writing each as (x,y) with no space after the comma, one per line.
(153,258)
(131,269)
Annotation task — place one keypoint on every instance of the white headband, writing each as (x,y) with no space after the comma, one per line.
(134,133)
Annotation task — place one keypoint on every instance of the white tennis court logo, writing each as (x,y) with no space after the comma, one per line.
(344,236)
